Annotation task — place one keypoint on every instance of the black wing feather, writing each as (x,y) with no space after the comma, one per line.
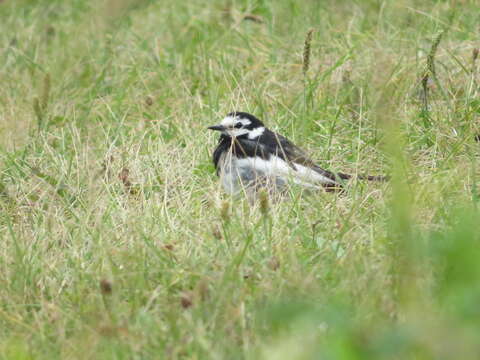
(292,154)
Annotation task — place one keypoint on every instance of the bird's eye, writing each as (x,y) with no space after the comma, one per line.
(238,125)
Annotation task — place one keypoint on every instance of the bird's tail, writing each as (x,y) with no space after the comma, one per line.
(364,177)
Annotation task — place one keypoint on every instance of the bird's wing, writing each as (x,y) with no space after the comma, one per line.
(298,159)
(285,158)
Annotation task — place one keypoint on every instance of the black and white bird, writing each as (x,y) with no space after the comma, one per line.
(250,156)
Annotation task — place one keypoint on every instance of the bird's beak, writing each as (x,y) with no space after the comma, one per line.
(217,127)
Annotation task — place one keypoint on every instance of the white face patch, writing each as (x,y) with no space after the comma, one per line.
(229,123)
(253,134)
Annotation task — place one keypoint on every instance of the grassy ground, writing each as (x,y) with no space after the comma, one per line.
(117,241)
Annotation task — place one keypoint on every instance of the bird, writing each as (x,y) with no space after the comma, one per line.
(249,156)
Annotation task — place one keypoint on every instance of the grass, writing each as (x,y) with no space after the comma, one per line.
(117,241)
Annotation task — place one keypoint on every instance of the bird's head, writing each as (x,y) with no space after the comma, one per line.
(240,125)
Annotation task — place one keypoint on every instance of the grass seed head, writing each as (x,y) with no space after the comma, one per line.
(225,211)
(217,233)
(37,109)
(124,177)
(307,51)
(432,53)
(264,207)
(186,300)
(50,31)
(106,287)
(254,18)
(274,263)
(45,92)
(169,247)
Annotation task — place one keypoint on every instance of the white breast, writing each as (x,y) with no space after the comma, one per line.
(229,175)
